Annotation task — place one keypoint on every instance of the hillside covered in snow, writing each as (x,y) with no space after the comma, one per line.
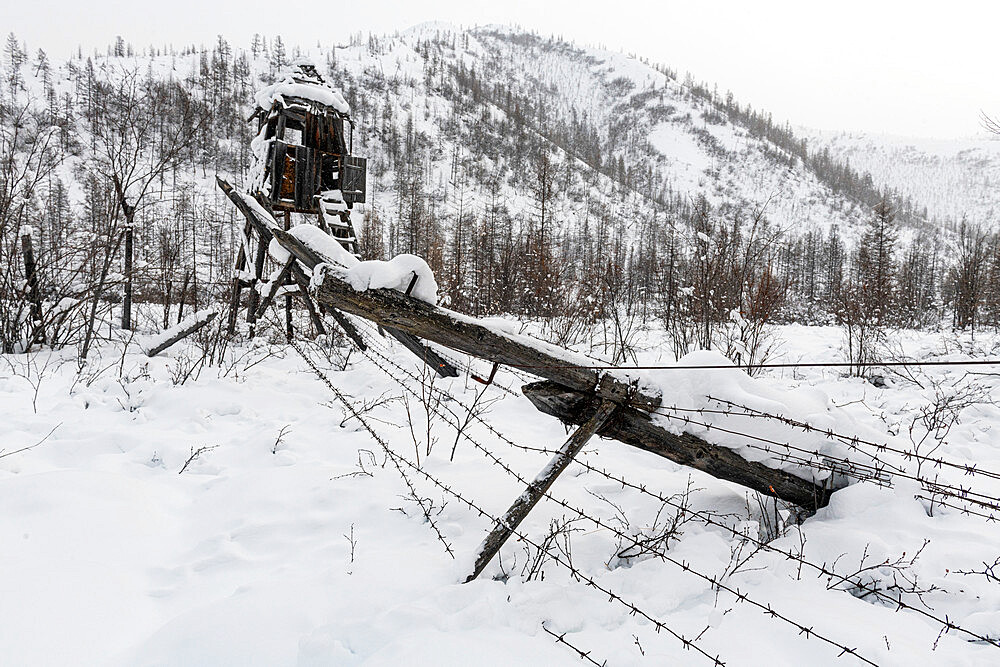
(955,179)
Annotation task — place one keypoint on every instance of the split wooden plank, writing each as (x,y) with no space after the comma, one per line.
(513,517)
(636,428)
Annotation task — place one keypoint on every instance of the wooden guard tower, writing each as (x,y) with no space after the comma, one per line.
(303,166)
(308,168)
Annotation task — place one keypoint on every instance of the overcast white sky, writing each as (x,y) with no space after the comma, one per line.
(884,66)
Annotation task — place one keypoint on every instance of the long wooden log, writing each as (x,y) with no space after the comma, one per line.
(181,331)
(574,392)
(394,310)
(513,517)
(636,428)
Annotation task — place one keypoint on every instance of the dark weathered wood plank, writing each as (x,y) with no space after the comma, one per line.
(513,517)
(276,284)
(393,310)
(635,428)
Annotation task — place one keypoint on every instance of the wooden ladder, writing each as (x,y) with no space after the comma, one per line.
(335,220)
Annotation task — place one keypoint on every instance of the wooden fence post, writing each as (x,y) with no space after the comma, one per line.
(527,500)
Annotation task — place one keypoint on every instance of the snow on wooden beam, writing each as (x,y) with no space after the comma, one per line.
(180,331)
(394,310)
(266,227)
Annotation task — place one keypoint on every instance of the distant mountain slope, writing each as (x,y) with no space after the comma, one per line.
(954,179)
(529,172)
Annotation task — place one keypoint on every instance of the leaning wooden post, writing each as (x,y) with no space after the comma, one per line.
(288,299)
(519,510)
(34,294)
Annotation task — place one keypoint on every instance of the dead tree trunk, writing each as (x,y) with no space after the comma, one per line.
(34,294)
(127,302)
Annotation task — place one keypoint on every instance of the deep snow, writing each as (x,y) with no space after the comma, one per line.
(289,541)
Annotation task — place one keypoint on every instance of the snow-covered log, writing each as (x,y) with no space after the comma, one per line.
(394,310)
(180,331)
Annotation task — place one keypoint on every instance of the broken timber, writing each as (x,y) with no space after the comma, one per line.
(636,428)
(575,390)
(509,522)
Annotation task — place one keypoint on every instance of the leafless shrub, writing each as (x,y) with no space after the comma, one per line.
(556,542)
(195,454)
(655,537)
(281,438)
(933,421)
(990,570)
(421,425)
(883,580)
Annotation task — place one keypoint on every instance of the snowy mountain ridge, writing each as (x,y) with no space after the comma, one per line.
(955,179)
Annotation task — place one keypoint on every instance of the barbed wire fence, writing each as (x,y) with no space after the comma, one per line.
(458,415)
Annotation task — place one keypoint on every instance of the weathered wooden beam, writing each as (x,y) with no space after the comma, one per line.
(394,310)
(181,331)
(636,428)
(513,517)
(276,284)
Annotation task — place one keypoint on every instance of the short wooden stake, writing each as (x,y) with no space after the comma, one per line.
(527,500)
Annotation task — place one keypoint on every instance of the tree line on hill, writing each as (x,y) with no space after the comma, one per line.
(479,190)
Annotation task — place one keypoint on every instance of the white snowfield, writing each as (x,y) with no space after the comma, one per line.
(290,540)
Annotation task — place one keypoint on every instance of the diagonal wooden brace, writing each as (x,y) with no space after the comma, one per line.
(527,500)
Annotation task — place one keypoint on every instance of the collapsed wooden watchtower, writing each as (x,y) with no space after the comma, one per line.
(303,165)
(304,152)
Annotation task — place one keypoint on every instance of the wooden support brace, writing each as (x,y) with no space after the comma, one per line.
(276,284)
(527,500)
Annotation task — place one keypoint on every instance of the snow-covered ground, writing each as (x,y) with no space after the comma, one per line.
(237,515)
